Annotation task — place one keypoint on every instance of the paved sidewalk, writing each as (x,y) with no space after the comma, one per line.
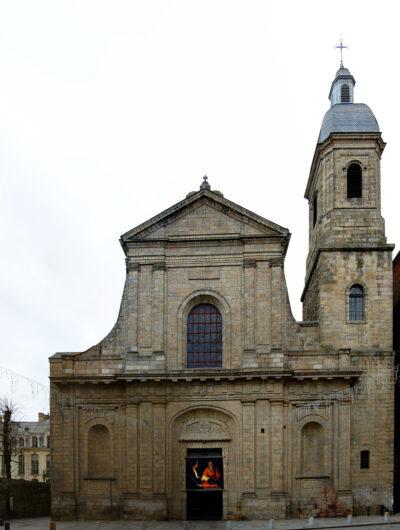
(360,523)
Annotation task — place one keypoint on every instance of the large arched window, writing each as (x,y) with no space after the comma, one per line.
(34,465)
(204,337)
(345,94)
(356,303)
(99,452)
(354,181)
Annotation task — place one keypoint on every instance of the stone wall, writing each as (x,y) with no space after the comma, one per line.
(30,499)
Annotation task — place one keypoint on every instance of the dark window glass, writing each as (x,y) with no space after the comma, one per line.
(21,465)
(34,441)
(354,181)
(345,94)
(34,465)
(204,337)
(356,303)
(364,460)
(315,208)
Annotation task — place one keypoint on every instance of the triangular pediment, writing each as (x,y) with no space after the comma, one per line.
(204,214)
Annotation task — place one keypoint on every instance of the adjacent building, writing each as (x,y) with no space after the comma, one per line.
(207,399)
(31,459)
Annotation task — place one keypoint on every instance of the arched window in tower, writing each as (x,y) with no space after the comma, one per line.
(354,181)
(356,303)
(345,94)
(204,337)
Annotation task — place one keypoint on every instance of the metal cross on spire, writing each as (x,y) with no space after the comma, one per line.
(342,47)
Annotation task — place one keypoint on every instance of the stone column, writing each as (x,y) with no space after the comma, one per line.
(68,449)
(248,446)
(277,446)
(131,448)
(263,307)
(262,436)
(249,268)
(158,306)
(160,460)
(276,303)
(145,307)
(344,446)
(146,447)
(344,497)
(132,316)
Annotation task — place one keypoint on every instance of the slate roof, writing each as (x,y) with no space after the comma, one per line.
(348,117)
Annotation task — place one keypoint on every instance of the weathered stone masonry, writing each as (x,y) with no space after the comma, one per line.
(293,405)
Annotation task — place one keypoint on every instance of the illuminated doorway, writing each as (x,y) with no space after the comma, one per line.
(204,484)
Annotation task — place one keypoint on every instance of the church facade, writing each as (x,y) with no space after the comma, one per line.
(207,399)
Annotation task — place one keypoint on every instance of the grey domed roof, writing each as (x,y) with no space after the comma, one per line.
(343,71)
(348,118)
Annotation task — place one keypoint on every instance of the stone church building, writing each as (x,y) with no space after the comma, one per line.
(207,399)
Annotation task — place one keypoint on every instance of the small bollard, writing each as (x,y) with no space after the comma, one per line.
(142,526)
(97,525)
(311,521)
(387,516)
(271,523)
(52,525)
(349,519)
(6,525)
(185,525)
(228,525)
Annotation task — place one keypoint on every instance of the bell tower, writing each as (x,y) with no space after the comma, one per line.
(349,262)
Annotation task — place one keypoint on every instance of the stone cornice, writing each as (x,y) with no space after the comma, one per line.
(205,376)
(378,248)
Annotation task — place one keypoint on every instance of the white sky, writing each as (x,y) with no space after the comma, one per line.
(112,111)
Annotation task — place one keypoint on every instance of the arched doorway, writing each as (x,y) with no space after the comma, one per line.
(199,436)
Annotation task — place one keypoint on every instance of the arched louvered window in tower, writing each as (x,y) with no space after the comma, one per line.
(356,303)
(345,94)
(354,181)
(204,337)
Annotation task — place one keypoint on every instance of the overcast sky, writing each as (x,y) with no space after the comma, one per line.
(112,111)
